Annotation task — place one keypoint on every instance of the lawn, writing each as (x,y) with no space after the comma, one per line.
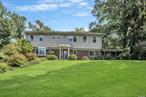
(76,79)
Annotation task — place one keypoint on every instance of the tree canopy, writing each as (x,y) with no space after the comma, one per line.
(79,30)
(123,19)
(11,26)
(39,26)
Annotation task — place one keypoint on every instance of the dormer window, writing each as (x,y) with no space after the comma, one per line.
(41,38)
(31,38)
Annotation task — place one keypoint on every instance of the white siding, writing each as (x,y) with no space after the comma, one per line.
(49,42)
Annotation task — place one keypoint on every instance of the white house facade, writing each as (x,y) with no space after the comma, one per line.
(65,43)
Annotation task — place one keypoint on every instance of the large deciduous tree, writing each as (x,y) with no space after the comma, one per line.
(11,26)
(123,18)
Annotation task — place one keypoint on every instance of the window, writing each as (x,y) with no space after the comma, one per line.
(31,38)
(53,37)
(42,51)
(41,38)
(75,52)
(84,38)
(70,39)
(91,53)
(94,39)
(74,39)
(58,37)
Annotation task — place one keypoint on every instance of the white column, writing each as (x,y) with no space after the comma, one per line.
(60,52)
(68,52)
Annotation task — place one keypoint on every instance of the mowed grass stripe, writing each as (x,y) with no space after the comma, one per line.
(76,79)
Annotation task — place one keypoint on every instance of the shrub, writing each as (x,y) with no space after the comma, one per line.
(36,61)
(4,67)
(52,57)
(72,57)
(31,56)
(24,46)
(17,60)
(51,52)
(85,58)
(21,46)
(3,57)
(124,55)
(10,49)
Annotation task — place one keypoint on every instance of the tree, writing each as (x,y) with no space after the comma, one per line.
(11,26)
(124,18)
(79,30)
(18,24)
(39,26)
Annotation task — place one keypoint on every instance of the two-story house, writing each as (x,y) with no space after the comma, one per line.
(66,43)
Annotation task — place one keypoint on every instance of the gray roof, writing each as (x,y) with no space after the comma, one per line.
(63,33)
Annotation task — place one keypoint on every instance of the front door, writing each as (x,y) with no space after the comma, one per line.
(65,54)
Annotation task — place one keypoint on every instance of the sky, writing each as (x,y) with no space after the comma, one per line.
(60,15)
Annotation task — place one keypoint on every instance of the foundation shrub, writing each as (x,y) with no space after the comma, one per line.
(52,57)
(72,57)
(85,58)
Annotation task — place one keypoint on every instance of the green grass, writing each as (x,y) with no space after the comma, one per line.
(76,79)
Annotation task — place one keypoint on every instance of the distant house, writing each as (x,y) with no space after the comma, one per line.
(66,43)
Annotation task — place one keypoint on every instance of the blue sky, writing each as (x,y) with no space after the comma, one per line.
(61,15)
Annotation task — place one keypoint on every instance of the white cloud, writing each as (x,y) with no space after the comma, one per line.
(46,5)
(65,5)
(82,14)
(86,29)
(37,7)
(83,4)
(76,1)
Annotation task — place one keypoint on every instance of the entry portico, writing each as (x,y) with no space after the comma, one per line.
(64,51)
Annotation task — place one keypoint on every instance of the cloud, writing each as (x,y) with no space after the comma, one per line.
(83,4)
(76,1)
(81,14)
(37,7)
(47,5)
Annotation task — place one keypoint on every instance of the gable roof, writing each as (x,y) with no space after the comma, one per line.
(63,33)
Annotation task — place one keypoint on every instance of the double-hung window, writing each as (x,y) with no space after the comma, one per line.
(94,39)
(84,38)
(74,39)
